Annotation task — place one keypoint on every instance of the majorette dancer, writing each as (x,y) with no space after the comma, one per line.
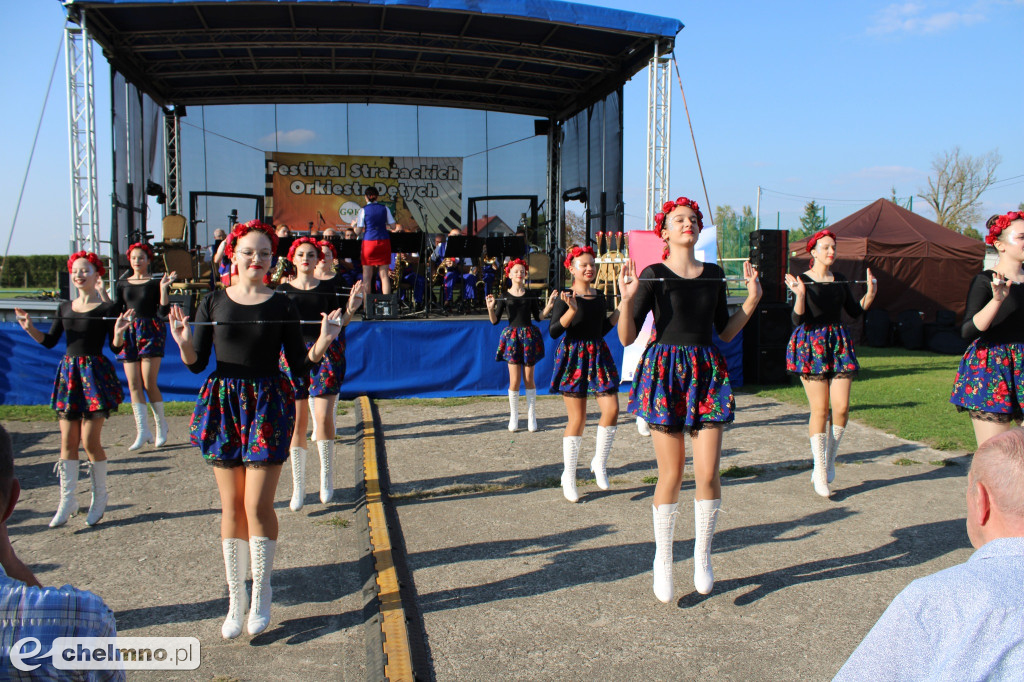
(583,365)
(682,384)
(143,348)
(990,381)
(243,419)
(86,388)
(374,224)
(316,391)
(821,351)
(521,344)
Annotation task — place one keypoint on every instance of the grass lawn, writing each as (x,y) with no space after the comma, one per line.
(902,392)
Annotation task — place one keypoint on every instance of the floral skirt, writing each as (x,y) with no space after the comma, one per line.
(821,353)
(145,338)
(583,367)
(244,421)
(86,383)
(679,388)
(990,381)
(324,379)
(521,346)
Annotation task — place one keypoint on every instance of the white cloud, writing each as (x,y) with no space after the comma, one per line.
(912,17)
(288,138)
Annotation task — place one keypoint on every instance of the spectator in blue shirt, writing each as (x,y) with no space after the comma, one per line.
(29,610)
(966,622)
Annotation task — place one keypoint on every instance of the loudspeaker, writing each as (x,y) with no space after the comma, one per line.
(910,328)
(185,300)
(765,338)
(769,251)
(64,284)
(381,307)
(877,328)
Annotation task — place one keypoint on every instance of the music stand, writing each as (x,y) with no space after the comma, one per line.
(283,244)
(347,248)
(464,247)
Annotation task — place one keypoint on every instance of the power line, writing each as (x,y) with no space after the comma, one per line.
(801,196)
(225,137)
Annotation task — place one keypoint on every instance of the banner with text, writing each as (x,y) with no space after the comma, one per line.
(326,190)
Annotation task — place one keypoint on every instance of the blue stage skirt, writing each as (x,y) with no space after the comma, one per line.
(145,338)
(991,379)
(324,379)
(244,421)
(583,367)
(679,388)
(86,383)
(821,353)
(521,346)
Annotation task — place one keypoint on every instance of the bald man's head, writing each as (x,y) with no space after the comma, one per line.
(999,465)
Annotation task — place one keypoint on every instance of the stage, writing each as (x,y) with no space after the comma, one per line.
(432,358)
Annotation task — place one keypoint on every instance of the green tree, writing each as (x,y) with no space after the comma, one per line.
(811,221)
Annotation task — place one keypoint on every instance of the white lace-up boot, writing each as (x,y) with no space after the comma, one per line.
(326,450)
(161,424)
(705,514)
(143,434)
(642,428)
(570,454)
(298,460)
(664,533)
(599,465)
(819,450)
(236,564)
(531,409)
(836,435)
(68,471)
(261,552)
(513,408)
(98,474)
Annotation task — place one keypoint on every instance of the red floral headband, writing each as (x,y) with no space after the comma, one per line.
(89,256)
(818,235)
(575,252)
(145,247)
(243,229)
(669,206)
(322,243)
(1001,224)
(514,262)
(305,240)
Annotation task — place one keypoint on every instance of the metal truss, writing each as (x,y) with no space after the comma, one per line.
(172,161)
(659,133)
(82,138)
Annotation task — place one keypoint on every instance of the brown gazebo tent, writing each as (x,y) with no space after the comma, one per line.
(919,264)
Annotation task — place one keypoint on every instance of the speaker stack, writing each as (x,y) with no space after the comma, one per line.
(767,332)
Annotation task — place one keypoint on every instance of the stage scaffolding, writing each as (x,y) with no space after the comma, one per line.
(81,139)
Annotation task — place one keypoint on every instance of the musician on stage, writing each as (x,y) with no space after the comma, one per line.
(373,223)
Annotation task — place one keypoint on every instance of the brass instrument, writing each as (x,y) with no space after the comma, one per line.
(399,270)
(284,271)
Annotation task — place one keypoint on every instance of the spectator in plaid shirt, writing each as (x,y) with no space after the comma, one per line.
(27,609)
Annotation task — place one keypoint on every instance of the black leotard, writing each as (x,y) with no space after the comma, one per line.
(589,323)
(684,309)
(86,332)
(310,303)
(1008,325)
(142,297)
(248,351)
(824,303)
(522,310)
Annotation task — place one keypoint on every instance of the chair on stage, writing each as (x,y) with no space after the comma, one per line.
(173,228)
(179,260)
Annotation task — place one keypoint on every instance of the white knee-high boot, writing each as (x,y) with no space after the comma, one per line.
(68,470)
(143,434)
(705,514)
(261,552)
(664,533)
(819,450)
(513,408)
(570,455)
(298,460)
(835,435)
(236,564)
(599,465)
(161,424)
(642,428)
(326,450)
(98,473)
(531,409)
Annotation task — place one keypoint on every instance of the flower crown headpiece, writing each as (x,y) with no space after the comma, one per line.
(818,235)
(575,252)
(91,257)
(669,206)
(1001,224)
(514,262)
(145,247)
(242,229)
(305,240)
(329,244)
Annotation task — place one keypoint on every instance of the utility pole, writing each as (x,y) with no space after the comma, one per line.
(757,212)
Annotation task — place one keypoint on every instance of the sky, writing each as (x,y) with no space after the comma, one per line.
(839,102)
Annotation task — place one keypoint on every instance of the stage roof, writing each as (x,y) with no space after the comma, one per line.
(535,57)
